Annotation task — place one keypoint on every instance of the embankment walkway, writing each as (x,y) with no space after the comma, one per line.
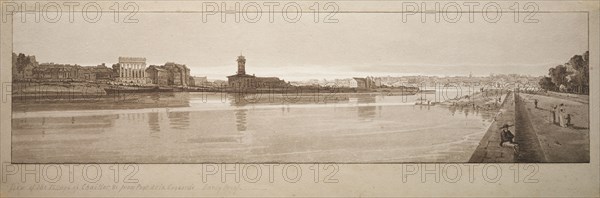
(513,112)
(527,138)
(489,149)
(560,144)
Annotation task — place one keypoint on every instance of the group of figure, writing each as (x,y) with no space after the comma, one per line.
(559,116)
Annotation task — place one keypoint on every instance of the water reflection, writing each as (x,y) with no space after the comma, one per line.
(154,124)
(452,110)
(240,119)
(125,101)
(63,125)
(179,120)
(366,110)
(239,101)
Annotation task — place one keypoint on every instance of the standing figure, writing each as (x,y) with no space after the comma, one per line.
(554,114)
(535,101)
(561,116)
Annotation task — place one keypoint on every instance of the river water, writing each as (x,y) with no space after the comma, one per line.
(218,127)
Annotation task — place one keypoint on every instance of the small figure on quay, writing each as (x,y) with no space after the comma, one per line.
(554,114)
(535,102)
(561,116)
(506,138)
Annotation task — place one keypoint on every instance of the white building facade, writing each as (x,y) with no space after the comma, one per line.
(132,70)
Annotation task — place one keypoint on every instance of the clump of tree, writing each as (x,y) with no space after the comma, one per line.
(21,61)
(571,77)
(22,65)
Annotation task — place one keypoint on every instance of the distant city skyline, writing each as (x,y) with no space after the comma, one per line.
(359,45)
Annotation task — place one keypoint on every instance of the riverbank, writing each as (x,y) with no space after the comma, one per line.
(489,100)
(489,149)
(75,90)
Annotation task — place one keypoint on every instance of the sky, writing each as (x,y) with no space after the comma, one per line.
(359,44)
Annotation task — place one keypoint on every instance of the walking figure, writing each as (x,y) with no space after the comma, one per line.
(561,116)
(506,138)
(554,114)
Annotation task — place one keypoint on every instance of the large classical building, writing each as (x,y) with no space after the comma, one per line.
(241,80)
(131,70)
(169,74)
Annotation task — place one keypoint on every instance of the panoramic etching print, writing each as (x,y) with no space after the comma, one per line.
(299,82)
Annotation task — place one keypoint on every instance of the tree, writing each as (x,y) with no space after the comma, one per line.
(577,62)
(21,62)
(547,84)
(558,75)
(573,76)
(579,77)
(586,72)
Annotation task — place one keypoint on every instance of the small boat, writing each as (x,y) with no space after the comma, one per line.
(423,101)
(426,104)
